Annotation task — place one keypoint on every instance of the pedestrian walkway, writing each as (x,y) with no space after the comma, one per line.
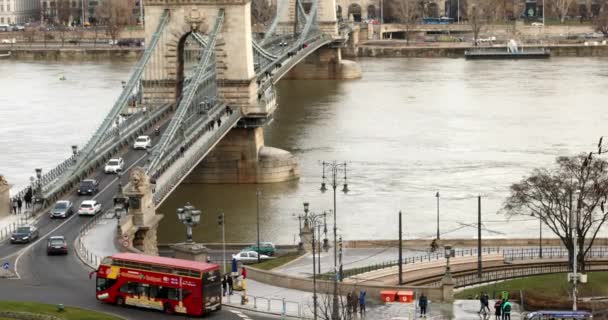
(97,241)
(9,223)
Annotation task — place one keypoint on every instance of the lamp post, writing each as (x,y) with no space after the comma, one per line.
(335,169)
(257,198)
(74,151)
(119,204)
(221,222)
(38,185)
(449,253)
(313,221)
(540,237)
(437,196)
(190,217)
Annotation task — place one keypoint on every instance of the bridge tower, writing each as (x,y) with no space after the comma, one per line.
(327,62)
(241,156)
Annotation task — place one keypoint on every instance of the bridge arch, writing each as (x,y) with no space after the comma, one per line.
(354,9)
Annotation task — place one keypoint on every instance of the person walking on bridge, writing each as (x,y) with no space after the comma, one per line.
(485,304)
(19,204)
(506,310)
(15,205)
(362,295)
(422,303)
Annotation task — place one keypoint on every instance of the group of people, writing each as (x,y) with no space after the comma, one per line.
(502,307)
(17,202)
(227,285)
(355,301)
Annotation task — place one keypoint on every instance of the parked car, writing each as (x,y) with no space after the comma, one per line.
(114,165)
(89,208)
(266,248)
(88,186)
(56,244)
(249,257)
(142,142)
(62,209)
(24,234)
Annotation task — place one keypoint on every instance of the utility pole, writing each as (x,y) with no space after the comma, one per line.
(574,226)
(437,195)
(479,236)
(314,275)
(400,252)
(257,197)
(540,237)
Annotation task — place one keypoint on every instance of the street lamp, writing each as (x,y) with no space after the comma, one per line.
(257,198)
(437,196)
(314,221)
(119,204)
(74,151)
(221,222)
(38,185)
(335,169)
(449,253)
(190,217)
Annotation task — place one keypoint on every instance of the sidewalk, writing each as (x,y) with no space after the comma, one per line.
(9,223)
(98,241)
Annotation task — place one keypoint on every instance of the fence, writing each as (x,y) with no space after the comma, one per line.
(271,305)
(88,257)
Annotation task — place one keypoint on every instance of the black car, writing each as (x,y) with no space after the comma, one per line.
(24,234)
(88,186)
(56,244)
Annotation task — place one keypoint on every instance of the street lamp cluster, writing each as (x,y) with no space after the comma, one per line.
(190,217)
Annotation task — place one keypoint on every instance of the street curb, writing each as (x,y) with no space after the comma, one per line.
(79,254)
(260,311)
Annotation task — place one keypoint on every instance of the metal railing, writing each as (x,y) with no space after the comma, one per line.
(271,305)
(88,257)
(171,183)
(6,231)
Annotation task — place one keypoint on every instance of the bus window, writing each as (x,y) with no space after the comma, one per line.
(104,284)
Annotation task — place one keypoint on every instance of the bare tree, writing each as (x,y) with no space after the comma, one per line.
(406,12)
(476,23)
(64,11)
(30,35)
(62,32)
(561,7)
(262,12)
(325,307)
(573,195)
(115,15)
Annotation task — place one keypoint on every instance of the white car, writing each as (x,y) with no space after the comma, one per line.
(249,257)
(142,142)
(537,24)
(89,208)
(114,165)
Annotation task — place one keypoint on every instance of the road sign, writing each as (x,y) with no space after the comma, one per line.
(6,265)
(125,243)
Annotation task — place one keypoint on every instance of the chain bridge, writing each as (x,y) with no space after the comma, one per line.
(204,88)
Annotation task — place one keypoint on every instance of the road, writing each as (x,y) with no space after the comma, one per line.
(65,279)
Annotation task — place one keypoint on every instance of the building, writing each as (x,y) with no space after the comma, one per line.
(18,11)
(71,11)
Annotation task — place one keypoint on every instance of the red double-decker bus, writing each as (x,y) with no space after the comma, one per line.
(166,284)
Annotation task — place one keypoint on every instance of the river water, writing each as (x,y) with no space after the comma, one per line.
(408,129)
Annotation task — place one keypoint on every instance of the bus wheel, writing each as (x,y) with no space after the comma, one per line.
(120,301)
(167,308)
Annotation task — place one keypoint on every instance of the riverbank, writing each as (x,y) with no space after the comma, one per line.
(382,49)
(71,53)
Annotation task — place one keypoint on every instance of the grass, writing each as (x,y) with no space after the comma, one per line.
(69,313)
(277,262)
(549,286)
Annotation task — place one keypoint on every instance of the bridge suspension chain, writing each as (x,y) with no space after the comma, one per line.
(122,102)
(190,92)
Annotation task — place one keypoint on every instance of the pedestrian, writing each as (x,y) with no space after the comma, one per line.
(506,310)
(483,301)
(19,204)
(126,207)
(181,150)
(224,285)
(349,304)
(219,122)
(244,273)
(355,302)
(422,303)
(28,197)
(230,284)
(15,205)
(497,307)
(362,295)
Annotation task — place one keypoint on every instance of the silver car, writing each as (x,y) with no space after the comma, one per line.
(62,209)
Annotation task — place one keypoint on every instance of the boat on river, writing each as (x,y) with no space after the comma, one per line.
(511,52)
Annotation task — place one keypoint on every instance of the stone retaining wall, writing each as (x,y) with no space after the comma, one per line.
(74,53)
(373,291)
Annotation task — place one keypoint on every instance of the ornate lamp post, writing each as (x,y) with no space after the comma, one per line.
(449,253)
(38,190)
(119,204)
(74,151)
(190,217)
(312,221)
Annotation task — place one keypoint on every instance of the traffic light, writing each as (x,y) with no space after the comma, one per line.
(220,219)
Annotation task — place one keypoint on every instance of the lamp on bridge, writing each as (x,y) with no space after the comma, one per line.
(190,217)
(449,253)
(120,202)
(74,151)
(38,190)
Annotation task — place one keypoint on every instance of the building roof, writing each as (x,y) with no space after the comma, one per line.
(163,261)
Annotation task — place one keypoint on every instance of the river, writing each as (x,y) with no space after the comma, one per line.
(408,129)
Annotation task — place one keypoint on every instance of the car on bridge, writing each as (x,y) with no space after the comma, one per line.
(89,208)
(88,186)
(266,248)
(56,244)
(24,234)
(62,209)
(142,142)
(114,165)
(245,257)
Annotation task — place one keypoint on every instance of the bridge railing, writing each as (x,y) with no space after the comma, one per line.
(178,174)
(87,256)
